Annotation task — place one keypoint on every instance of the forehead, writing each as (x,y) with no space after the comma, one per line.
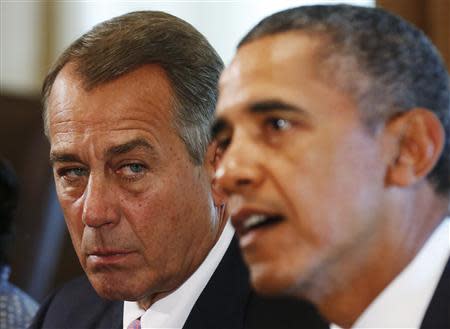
(273,63)
(279,49)
(137,99)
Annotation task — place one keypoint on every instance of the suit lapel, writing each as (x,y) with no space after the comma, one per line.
(437,315)
(223,301)
(112,316)
(94,312)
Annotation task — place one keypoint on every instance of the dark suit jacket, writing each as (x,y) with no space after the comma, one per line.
(437,315)
(227,302)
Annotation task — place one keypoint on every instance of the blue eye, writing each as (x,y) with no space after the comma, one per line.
(72,172)
(132,171)
(78,171)
(136,168)
(72,176)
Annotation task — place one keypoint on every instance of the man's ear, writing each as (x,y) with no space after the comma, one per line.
(419,139)
(211,163)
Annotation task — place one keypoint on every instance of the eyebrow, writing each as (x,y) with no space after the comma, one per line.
(272,105)
(63,157)
(129,146)
(115,150)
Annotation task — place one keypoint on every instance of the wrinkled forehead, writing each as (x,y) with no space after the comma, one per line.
(144,80)
(139,99)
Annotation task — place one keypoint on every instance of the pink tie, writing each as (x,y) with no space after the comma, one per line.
(136,324)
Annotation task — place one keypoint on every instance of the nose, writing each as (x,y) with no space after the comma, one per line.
(239,168)
(100,204)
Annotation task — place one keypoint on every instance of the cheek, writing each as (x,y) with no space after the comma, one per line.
(331,188)
(75,226)
(72,212)
(154,218)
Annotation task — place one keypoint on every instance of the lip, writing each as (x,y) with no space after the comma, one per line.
(109,257)
(239,217)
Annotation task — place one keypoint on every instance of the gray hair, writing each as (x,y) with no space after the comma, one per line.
(122,44)
(388,65)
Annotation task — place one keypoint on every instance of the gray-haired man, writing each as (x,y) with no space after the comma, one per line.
(128,108)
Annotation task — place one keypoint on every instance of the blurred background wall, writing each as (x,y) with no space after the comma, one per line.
(33,33)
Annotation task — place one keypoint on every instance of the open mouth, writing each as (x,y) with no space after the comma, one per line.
(257,221)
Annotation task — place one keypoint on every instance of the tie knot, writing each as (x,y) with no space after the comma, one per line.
(136,324)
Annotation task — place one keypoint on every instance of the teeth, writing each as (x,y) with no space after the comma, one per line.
(254,220)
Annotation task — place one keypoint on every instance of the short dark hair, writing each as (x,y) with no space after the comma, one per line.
(403,68)
(9,192)
(122,44)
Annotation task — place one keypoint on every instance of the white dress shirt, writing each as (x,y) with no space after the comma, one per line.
(403,303)
(173,310)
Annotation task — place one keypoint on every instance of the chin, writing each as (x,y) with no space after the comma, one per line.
(107,289)
(110,287)
(270,282)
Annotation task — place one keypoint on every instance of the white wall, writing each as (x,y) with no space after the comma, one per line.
(222,22)
(20,44)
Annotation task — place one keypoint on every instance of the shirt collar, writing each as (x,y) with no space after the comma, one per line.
(403,303)
(173,310)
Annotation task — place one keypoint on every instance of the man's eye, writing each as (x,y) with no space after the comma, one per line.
(72,173)
(132,170)
(222,143)
(136,168)
(278,124)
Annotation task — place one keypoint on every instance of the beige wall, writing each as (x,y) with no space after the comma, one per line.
(432,16)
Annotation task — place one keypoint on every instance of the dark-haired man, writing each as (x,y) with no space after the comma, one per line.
(128,108)
(334,133)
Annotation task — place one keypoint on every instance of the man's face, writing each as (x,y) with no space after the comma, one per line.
(139,212)
(303,174)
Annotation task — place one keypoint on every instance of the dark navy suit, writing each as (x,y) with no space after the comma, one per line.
(227,302)
(437,315)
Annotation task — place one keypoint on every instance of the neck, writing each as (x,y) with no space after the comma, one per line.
(346,289)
